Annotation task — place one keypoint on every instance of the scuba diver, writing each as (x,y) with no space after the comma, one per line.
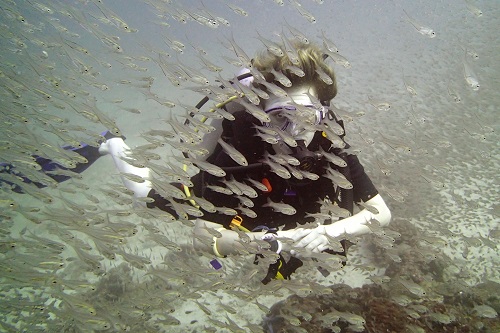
(288,178)
(302,161)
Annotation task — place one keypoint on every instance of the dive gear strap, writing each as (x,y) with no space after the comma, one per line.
(282,269)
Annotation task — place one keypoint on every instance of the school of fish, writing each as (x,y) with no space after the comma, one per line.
(84,255)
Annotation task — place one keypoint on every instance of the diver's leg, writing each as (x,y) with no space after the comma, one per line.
(90,153)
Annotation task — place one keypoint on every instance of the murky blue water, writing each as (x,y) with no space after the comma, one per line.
(433,155)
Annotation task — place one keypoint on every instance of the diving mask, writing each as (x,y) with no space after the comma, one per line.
(295,119)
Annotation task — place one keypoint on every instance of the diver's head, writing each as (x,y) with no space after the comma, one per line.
(311,61)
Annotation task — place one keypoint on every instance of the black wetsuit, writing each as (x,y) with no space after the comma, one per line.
(304,195)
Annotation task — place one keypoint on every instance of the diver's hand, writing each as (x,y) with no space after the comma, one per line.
(286,239)
(314,239)
(318,238)
(290,237)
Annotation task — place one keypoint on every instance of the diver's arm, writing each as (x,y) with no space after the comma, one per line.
(364,191)
(356,225)
(230,243)
(119,150)
(316,240)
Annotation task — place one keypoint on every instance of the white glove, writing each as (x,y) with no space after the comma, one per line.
(286,239)
(289,237)
(119,150)
(321,237)
(316,240)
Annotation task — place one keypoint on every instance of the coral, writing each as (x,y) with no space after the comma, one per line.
(381,314)
(447,305)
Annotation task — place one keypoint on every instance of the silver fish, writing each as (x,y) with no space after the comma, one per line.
(255,111)
(245,189)
(470,77)
(309,175)
(353,318)
(238,10)
(295,70)
(328,44)
(233,153)
(226,211)
(454,95)
(246,211)
(336,140)
(338,59)
(271,139)
(413,287)
(231,186)
(281,78)
(271,46)
(277,168)
(219,189)
(439,317)
(426,31)
(332,158)
(308,16)
(257,184)
(485,311)
(274,89)
(287,138)
(240,53)
(294,172)
(249,93)
(473,9)
(280,207)
(379,105)
(245,201)
(297,34)
(203,165)
(323,76)
(203,203)
(261,93)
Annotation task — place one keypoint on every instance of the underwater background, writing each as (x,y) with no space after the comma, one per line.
(81,256)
